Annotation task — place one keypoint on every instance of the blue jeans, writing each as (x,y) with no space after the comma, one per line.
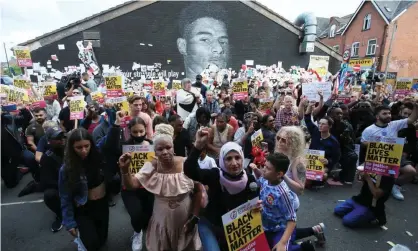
(30,162)
(208,238)
(354,215)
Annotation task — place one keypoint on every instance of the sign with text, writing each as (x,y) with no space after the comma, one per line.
(344,98)
(383,155)
(257,138)
(23,57)
(310,90)
(266,104)
(50,90)
(77,105)
(365,63)
(114,86)
(243,229)
(21,83)
(314,168)
(403,86)
(97,96)
(159,88)
(176,85)
(16,95)
(120,103)
(140,155)
(240,89)
(319,64)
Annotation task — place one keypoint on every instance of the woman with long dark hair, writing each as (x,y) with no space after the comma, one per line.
(82,190)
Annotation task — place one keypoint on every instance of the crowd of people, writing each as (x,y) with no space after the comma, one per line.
(205,162)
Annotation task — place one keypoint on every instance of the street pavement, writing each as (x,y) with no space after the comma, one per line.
(27,226)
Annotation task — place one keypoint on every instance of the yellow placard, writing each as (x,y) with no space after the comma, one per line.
(77,105)
(113,82)
(159,86)
(257,138)
(266,104)
(16,95)
(97,96)
(140,154)
(176,85)
(21,83)
(128,93)
(120,103)
(314,167)
(240,86)
(365,62)
(50,90)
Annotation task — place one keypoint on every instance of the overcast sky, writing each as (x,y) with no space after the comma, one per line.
(21,20)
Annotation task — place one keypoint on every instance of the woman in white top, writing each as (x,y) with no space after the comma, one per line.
(290,141)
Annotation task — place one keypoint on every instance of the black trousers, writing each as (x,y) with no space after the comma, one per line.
(93,223)
(139,204)
(348,168)
(52,201)
(9,171)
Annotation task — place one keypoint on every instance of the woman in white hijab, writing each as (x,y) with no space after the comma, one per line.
(229,187)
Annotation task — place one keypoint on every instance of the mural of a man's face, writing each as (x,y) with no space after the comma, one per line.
(205,42)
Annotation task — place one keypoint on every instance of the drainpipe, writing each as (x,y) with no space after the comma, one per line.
(395,27)
(307,21)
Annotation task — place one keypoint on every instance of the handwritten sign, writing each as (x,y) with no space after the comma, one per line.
(140,155)
(257,138)
(50,90)
(383,155)
(310,90)
(240,89)
(77,105)
(23,57)
(159,88)
(314,168)
(113,86)
(243,229)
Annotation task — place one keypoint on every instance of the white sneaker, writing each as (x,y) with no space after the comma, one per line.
(137,241)
(396,192)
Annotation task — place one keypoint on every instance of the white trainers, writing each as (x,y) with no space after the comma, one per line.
(396,192)
(137,241)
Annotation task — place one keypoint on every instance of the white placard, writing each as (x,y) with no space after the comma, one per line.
(249,62)
(310,90)
(61,47)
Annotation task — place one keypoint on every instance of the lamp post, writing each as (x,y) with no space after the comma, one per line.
(7,58)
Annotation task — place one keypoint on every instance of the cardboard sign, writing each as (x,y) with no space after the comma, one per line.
(176,85)
(243,229)
(77,105)
(140,155)
(23,57)
(314,167)
(50,90)
(345,99)
(257,138)
(240,89)
(113,86)
(310,90)
(383,155)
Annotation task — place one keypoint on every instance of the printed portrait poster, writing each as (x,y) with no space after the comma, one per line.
(257,138)
(240,89)
(140,155)
(77,105)
(23,57)
(314,167)
(114,86)
(243,229)
(383,155)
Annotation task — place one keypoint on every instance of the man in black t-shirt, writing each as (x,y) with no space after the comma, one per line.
(181,139)
(367,208)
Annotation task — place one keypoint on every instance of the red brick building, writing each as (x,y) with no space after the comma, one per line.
(368,33)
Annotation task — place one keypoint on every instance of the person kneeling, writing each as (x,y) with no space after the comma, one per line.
(367,208)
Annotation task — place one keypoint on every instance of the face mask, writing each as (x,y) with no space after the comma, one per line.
(139,139)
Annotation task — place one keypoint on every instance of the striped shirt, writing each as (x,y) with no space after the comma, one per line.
(278,206)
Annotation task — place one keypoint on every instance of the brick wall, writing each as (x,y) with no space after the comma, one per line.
(332,41)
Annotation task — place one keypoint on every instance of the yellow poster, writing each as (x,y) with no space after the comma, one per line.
(97,96)
(257,138)
(21,83)
(50,90)
(23,57)
(120,103)
(113,86)
(266,104)
(314,167)
(159,88)
(128,93)
(140,155)
(383,155)
(319,64)
(16,95)
(77,105)
(176,85)
(403,86)
(240,89)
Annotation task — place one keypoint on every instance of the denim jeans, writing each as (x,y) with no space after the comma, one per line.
(208,238)
(354,215)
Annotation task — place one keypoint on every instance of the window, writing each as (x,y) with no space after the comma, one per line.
(371,47)
(332,31)
(367,21)
(336,48)
(354,49)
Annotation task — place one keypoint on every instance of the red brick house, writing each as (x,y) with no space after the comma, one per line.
(368,33)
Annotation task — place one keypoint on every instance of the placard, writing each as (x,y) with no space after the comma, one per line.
(23,57)
(120,103)
(97,96)
(176,85)
(159,88)
(314,167)
(319,64)
(243,228)
(16,95)
(383,155)
(77,105)
(50,90)
(345,99)
(21,83)
(240,89)
(403,86)
(113,86)
(257,138)
(140,155)
(266,104)
(310,90)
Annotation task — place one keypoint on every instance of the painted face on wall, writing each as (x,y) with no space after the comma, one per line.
(205,43)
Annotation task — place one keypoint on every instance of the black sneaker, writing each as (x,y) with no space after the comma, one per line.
(307,246)
(31,187)
(56,225)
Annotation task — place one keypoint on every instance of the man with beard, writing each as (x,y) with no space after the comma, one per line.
(204,39)
(50,164)
(385,128)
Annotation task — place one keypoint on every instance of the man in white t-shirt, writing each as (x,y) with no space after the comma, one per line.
(206,162)
(387,128)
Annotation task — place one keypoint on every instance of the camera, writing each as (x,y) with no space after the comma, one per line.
(74,79)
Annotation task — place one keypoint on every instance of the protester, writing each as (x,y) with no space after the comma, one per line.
(168,110)
(135,110)
(53,109)
(196,120)
(66,123)
(186,100)
(267,128)
(35,131)
(211,104)
(101,129)
(43,145)
(232,121)
(181,139)
(199,85)
(206,162)
(87,86)
(82,191)
(220,134)
(93,117)
(288,115)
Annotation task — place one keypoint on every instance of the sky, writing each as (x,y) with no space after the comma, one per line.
(21,20)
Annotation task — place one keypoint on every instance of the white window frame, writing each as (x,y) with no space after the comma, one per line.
(332,30)
(367,22)
(353,50)
(368,53)
(336,48)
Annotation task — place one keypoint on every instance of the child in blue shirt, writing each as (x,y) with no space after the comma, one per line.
(278,214)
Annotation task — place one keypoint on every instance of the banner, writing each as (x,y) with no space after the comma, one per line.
(21,83)
(243,228)
(266,104)
(113,86)
(50,90)
(77,105)
(257,138)
(97,96)
(159,88)
(310,90)
(176,85)
(140,155)
(403,86)
(314,168)
(383,155)
(120,103)
(319,64)
(240,89)
(23,57)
